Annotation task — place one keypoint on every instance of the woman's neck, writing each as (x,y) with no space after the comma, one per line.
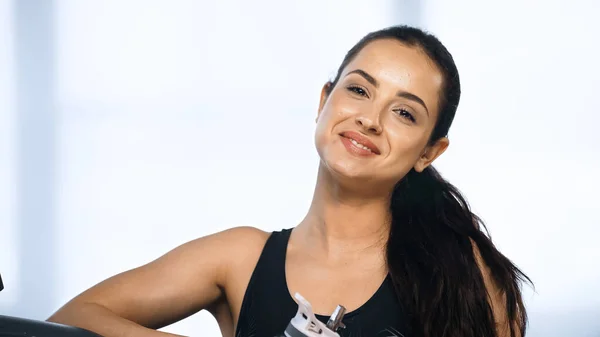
(343,220)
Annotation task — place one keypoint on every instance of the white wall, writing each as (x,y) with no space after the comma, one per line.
(8,230)
(525,144)
(177,119)
(180,119)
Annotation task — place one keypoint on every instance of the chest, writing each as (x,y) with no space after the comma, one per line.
(326,287)
(361,286)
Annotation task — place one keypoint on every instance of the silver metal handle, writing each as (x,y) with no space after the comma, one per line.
(335,321)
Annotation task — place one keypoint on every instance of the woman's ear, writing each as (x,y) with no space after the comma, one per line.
(431,153)
(324,94)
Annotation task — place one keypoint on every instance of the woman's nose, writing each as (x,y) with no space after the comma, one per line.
(369,124)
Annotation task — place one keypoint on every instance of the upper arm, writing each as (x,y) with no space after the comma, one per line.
(496,297)
(187,279)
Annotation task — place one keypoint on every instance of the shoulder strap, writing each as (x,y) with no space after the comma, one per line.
(266,303)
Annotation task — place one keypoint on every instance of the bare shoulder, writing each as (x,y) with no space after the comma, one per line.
(189,278)
(496,296)
(239,249)
(244,235)
(245,246)
(231,247)
(240,241)
(221,250)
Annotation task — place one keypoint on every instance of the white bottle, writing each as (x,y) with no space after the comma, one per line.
(305,324)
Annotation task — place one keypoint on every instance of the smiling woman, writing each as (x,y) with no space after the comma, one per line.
(386,236)
(384,87)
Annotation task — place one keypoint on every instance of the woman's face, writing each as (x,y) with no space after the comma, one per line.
(376,122)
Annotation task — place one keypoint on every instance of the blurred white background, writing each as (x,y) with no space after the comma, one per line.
(130,127)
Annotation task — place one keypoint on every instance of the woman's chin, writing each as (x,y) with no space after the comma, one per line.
(350,171)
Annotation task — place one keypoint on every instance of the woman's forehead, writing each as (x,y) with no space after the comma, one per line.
(398,65)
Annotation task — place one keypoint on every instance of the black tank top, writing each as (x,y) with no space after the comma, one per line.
(268,307)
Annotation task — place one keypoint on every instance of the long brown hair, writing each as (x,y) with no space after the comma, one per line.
(430,254)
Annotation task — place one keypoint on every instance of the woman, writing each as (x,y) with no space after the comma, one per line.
(386,236)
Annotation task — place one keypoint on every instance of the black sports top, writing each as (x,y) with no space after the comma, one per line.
(268,307)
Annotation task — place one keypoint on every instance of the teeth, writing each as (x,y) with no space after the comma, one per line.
(360,145)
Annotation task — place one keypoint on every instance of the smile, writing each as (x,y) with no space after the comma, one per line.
(360,142)
(360,145)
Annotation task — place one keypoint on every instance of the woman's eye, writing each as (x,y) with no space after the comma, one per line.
(358,90)
(405,114)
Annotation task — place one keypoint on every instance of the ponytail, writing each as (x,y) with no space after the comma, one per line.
(433,266)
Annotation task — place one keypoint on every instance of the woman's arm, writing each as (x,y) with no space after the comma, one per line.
(496,298)
(180,283)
